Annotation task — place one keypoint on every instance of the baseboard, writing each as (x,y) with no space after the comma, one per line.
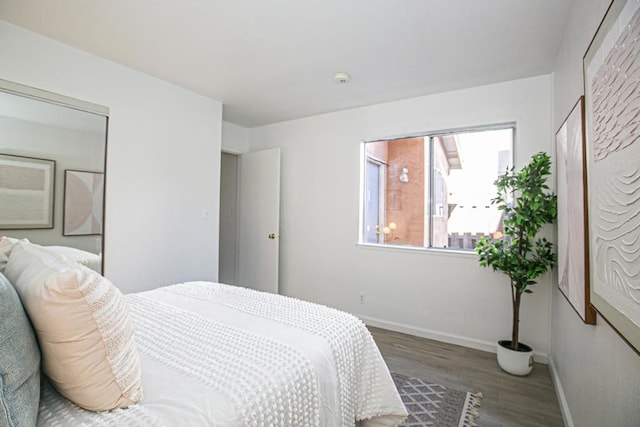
(439,336)
(562,398)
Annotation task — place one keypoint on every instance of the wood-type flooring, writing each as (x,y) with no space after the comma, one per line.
(509,401)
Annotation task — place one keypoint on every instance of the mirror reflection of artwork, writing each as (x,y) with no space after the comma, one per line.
(71,134)
(26,192)
(83,203)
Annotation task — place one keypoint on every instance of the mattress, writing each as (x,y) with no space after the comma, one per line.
(219,355)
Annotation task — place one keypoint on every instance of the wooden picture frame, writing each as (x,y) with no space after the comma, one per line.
(612,117)
(83,210)
(26,192)
(573,246)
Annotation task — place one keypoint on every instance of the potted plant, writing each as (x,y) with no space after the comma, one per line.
(527,205)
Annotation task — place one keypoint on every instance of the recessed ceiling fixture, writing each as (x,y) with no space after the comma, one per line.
(341,77)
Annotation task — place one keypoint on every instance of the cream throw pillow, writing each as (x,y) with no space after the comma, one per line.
(83,327)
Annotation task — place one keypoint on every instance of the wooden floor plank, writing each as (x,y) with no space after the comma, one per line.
(509,401)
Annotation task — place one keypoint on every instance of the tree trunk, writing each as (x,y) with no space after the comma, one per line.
(516,320)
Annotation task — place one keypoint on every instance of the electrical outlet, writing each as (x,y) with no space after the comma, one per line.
(361,297)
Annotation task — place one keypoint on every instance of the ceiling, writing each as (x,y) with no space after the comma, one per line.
(274,60)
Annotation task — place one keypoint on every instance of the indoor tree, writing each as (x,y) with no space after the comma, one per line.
(527,205)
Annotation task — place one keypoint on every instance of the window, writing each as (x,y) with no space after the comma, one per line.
(434,190)
(374,200)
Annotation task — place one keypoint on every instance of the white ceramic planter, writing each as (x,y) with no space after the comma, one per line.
(515,362)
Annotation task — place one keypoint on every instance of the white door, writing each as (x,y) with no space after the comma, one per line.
(259,223)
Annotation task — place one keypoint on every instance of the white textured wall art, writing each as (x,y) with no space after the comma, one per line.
(616,95)
(617,240)
(612,94)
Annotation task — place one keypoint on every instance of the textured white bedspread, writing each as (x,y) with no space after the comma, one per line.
(218,355)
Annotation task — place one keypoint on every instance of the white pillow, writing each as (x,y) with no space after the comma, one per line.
(6,245)
(82,324)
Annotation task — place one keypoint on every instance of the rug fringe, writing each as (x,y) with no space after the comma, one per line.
(471,412)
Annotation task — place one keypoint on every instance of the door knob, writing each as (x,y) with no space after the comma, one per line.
(272,236)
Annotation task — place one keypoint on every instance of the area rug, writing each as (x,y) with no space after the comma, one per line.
(434,405)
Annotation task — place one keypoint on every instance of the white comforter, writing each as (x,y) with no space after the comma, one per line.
(218,355)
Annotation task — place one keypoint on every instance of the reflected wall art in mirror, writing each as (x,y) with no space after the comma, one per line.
(52,171)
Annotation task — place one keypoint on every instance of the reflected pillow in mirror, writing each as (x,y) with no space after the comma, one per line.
(6,245)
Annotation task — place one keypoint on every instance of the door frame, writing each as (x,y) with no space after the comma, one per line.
(236,255)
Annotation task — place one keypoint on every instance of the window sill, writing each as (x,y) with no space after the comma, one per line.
(414,249)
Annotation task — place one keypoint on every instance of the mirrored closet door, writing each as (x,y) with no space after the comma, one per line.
(52,171)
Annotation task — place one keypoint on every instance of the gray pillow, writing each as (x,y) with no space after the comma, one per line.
(19,362)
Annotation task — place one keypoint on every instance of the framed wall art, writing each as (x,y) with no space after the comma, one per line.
(26,192)
(83,203)
(612,115)
(573,254)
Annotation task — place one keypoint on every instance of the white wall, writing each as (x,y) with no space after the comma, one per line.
(598,373)
(163,160)
(434,294)
(235,139)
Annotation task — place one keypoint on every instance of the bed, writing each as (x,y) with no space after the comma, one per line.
(219,355)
